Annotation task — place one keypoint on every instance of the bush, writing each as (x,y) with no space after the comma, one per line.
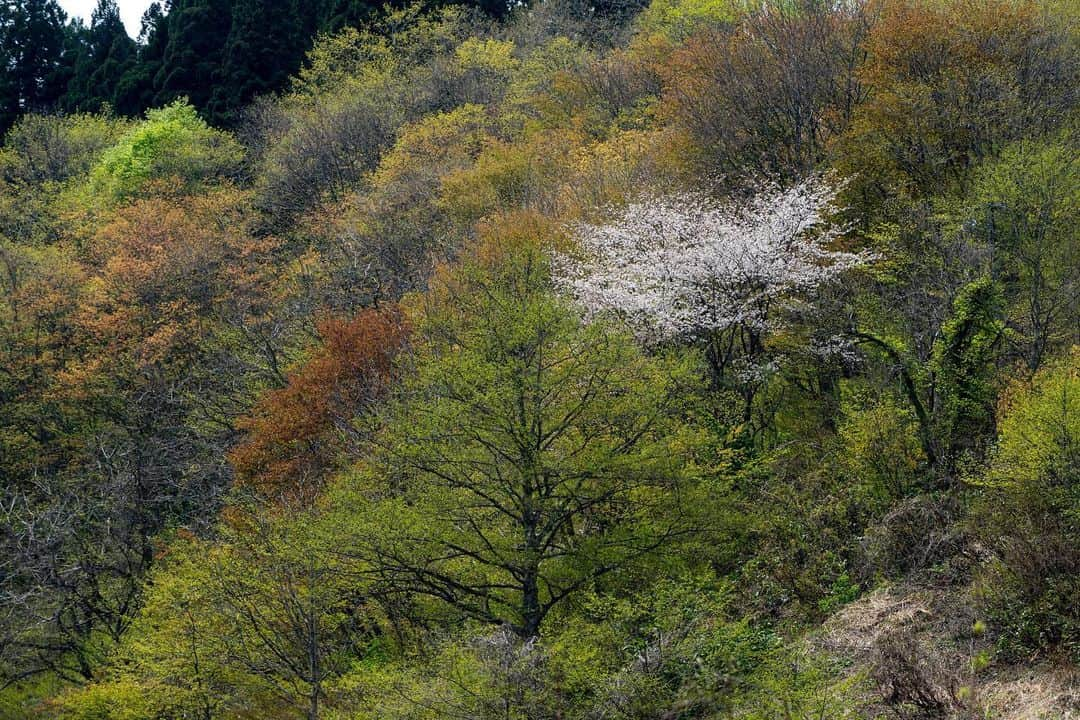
(41,148)
(915,534)
(794,683)
(913,682)
(174,143)
(882,449)
(1029,513)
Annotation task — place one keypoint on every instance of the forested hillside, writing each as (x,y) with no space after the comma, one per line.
(219,54)
(703,359)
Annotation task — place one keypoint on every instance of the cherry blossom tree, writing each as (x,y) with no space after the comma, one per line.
(688,268)
(680,267)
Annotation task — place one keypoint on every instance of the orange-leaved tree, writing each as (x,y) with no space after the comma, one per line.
(295,433)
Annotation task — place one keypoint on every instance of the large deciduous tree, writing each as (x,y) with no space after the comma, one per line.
(691,269)
(528,456)
(772,89)
(1028,211)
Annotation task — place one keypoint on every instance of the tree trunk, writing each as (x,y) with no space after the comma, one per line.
(530,604)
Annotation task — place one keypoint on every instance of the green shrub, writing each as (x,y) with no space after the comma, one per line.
(173,144)
(1029,513)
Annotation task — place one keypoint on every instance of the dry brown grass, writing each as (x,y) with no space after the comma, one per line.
(918,645)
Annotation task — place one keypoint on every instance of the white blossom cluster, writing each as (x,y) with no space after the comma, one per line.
(836,347)
(681,266)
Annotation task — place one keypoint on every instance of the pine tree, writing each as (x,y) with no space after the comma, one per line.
(106,54)
(135,90)
(197,35)
(266,44)
(32,38)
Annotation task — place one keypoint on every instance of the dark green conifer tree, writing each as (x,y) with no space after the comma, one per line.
(198,32)
(135,90)
(106,54)
(32,39)
(266,45)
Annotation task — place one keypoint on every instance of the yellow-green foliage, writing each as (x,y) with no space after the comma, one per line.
(675,645)
(507,175)
(796,682)
(494,56)
(881,449)
(678,19)
(528,101)
(107,700)
(1040,428)
(1027,204)
(397,41)
(357,91)
(435,145)
(339,59)
(1030,513)
(170,662)
(172,144)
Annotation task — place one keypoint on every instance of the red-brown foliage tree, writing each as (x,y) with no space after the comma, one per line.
(295,433)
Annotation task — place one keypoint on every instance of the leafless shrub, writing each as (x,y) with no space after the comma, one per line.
(917,533)
(913,682)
